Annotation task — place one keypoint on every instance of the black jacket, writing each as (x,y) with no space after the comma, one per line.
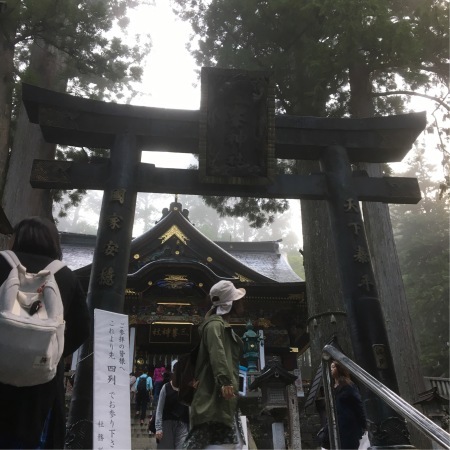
(351,418)
(350,415)
(25,409)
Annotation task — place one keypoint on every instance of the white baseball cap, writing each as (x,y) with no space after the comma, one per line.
(223,294)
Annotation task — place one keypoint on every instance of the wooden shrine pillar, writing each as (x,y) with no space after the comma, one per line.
(360,297)
(108,275)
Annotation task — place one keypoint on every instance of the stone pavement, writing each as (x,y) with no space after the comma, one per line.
(140,439)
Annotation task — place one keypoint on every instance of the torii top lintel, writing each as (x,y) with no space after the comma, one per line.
(69,120)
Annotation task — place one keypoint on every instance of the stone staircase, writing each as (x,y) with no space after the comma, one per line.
(140,439)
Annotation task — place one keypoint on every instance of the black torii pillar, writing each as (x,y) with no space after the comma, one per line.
(108,279)
(337,143)
(365,316)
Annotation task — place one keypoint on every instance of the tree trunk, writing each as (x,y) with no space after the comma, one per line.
(20,200)
(400,331)
(380,237)
(326,308)
(361,102)
(6,90)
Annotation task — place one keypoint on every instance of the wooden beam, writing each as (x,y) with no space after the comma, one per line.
(79,175)
(69,120)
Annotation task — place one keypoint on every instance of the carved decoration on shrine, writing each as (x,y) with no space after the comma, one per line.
(243,279)
(300,296)
(145,319)
(263,322)
(174,231)
(175,282)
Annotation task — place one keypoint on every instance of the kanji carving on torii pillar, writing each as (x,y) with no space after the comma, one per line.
(337,143)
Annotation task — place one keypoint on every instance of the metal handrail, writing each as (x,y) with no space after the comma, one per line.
(428,427)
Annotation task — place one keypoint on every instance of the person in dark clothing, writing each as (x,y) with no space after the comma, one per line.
(35,415)
(151,423)
(172,417)
(158,381)
(143,394)
(351,417)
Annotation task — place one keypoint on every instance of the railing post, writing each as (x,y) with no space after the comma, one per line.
(333,430)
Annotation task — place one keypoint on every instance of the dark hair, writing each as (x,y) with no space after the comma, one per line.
(37,235)
(237,302)
(343,375)
(176,376)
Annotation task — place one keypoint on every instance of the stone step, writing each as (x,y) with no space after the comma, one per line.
(142,443)
(140,439)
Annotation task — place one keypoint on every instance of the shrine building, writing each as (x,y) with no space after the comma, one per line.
(171,269)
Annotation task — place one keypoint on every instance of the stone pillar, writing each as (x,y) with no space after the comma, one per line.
(132,346)
(295,438)
(278,440)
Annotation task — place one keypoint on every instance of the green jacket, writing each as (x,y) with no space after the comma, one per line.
(217,365)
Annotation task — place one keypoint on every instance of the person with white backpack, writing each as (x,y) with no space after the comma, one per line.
(43,318)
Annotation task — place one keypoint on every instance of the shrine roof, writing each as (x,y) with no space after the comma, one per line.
(77,249)
(273,371)
(253,261)
(263,257)
(430,395)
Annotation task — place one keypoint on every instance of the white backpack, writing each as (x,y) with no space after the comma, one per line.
(31,324)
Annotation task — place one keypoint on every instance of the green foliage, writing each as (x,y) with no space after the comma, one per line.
(88,60)
(422,239)
(63,199)
(325,56)
(95,64)
(278,36)
(258,212)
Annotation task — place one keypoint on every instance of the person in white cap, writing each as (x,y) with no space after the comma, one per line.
(214,413)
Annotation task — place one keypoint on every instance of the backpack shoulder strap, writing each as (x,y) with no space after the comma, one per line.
(13,261)
(10,257)
(55,265)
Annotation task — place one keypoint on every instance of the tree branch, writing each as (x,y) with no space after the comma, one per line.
(418,94)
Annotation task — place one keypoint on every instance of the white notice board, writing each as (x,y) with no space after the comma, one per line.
(112,429)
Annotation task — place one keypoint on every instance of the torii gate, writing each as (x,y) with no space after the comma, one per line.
(238,138)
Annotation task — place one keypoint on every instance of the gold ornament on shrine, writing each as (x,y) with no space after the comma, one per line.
(174,231)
